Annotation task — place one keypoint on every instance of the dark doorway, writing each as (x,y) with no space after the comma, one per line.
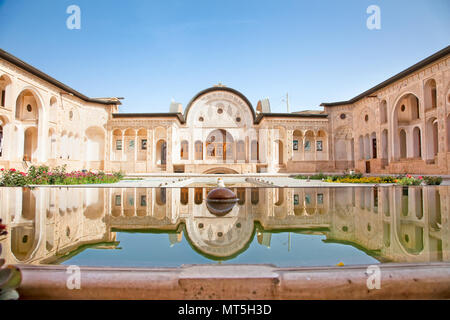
(367,166)
(374,148)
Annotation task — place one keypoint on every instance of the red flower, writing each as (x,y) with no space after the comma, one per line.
(12,170)
(2,228)
(420,178)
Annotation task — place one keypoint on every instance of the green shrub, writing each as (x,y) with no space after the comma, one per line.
(432,181)
(409,180)
(42,175)
(13,178)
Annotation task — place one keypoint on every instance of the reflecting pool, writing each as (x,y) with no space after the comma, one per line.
(174,226)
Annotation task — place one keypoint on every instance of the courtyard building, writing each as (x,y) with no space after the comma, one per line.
(401,125)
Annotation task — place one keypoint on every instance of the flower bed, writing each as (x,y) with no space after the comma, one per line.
(42,175)
(406,180)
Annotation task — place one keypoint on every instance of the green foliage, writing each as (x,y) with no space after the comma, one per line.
(409,180)
(432,181)
(42,175)
(406,180)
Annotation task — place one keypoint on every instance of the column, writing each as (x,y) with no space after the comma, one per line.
(315,147)
(303,146)
(135,149)
(169,150)
(123,146)
(149,150)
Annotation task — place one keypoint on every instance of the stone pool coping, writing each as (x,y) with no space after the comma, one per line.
(238,282)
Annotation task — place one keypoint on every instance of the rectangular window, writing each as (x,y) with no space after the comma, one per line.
(143,201)
(307,199)
(131,144)
(320,198)
(118,200)
(3,98)
(319,145)
(307,145)
(130,200)
(144,144)
(296,200)
(118,144)
(295,145)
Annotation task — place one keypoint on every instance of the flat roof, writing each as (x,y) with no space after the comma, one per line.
(434,57)
(177,115)
(182,120)
(27,67)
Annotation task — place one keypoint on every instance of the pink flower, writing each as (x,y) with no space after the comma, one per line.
(420,178)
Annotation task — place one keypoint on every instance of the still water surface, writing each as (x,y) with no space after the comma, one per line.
(146,227)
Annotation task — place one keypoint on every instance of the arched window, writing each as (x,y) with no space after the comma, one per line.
(184,196)
(219,145)
(255,196)
(184,152)
(27,106)
(5,83)
(279,151)
(384,144)
(161,152)
(30,144)
(430,94)
(279,196)
(361,147)
(383,112)
(432,143)
(373,139)
(198,195)
(241,196)
(160,196)
(417,143)
(366,147)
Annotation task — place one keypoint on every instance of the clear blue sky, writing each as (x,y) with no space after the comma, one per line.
(152,51)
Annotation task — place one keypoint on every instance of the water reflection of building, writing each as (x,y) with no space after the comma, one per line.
(389,223)
(45,224)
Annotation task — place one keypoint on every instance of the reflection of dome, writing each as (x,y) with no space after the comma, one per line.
(220,201)
(220,237)
(220,207)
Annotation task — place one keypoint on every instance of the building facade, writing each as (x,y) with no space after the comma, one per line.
(401,125)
